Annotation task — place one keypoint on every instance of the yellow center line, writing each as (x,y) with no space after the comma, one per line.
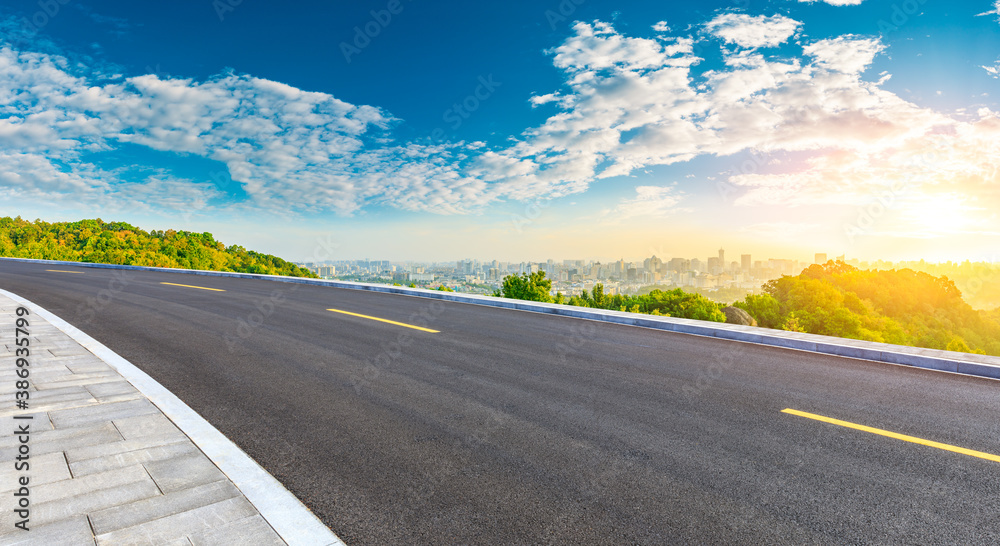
(422,329)
(61,271)
(904,437)
(198,287)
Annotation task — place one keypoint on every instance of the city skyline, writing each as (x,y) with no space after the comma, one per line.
(601,129)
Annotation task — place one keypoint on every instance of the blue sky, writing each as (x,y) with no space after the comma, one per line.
(512,130)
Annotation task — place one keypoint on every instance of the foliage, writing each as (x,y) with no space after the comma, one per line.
(672,303)
(531,287)
(903,307)
(764,308)
(97,241)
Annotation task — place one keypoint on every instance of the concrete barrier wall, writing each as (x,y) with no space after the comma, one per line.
(947,361)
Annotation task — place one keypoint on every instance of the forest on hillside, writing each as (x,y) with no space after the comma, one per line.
(97,241)
(902,307)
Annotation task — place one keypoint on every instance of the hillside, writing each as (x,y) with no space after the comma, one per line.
(97,241)
(903,307)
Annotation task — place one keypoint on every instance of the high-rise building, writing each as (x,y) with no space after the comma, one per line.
(679,265)
(820,258)
(745,262)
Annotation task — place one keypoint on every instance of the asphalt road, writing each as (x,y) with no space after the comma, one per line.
(516,427)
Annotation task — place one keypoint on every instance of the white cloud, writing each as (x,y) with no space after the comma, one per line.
(661,27)
(649,201)
(752,31)
(994,11)
(847,53)
(993,70)
(835,2)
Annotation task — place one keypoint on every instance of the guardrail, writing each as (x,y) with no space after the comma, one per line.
(933,359)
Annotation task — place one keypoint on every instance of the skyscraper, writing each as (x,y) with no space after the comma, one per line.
(745,263)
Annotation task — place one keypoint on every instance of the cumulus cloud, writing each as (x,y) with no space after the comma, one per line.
(752,31)
(846,53)
(650,201)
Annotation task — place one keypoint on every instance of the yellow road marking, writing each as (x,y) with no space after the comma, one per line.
(422,329)
(198,287)
(904,437)
(61,271)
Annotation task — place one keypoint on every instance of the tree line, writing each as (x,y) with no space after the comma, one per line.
(97,241)
(670,303)
(902,307)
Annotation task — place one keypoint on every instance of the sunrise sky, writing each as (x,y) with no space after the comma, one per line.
(517,130)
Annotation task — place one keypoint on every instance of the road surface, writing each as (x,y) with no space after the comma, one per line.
(490,425)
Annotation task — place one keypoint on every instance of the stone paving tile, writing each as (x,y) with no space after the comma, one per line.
(50,441)
(253,530)
(103,391)
(91,379)
(43,469)
(169,504)
(144,426)
(84,503)
(183,472)
(68,351)
(102,412)
(72,487)
(74,530)
(56,393)
(50,405)
(110,462)
(78,364)
(183,524)
(120,447)
(38,371)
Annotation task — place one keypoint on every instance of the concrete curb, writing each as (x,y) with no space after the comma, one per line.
(293,522)
(933,359)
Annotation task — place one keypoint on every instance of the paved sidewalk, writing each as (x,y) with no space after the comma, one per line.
(107,466)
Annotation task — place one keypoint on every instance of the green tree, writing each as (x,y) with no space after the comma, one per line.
(531,287)
(764,308)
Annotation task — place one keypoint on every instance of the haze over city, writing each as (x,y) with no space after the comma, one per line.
(517,131)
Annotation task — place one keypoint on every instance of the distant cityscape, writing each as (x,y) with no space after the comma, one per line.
(713,276)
